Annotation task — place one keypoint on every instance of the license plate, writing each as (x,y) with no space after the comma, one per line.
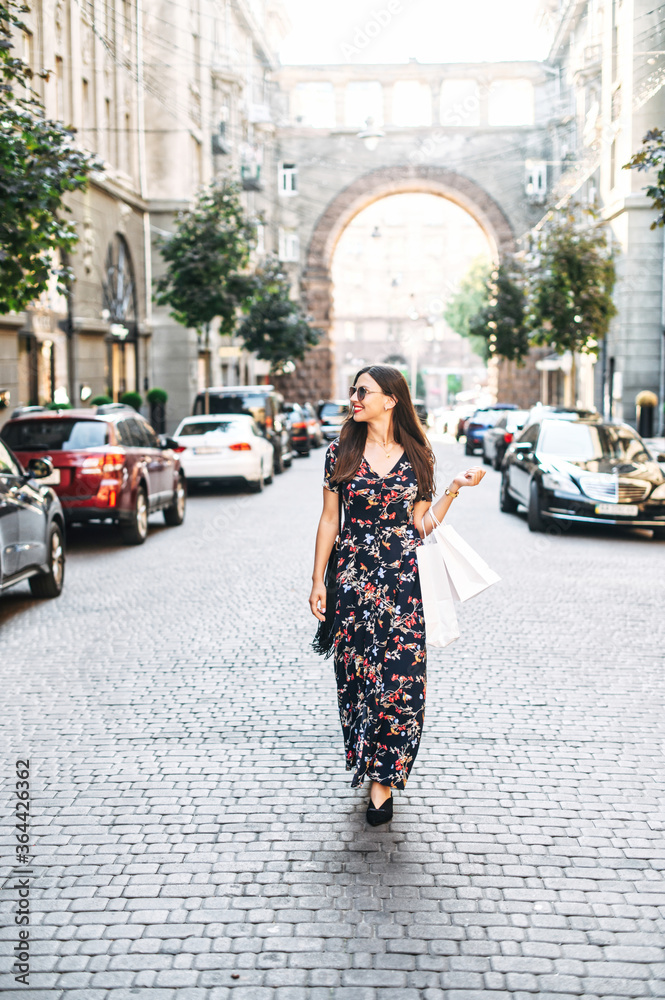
(207,451)
(618,509)
(52,480)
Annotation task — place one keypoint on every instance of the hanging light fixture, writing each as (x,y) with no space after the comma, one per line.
(371,135)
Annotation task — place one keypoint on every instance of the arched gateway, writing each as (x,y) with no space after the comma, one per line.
(313,377)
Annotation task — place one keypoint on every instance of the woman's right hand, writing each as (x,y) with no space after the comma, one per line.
(317,601)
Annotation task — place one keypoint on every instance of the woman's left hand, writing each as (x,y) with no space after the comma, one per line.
(471,477)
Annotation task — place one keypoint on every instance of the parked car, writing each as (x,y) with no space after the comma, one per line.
(420,407)
(32,526)
(332,414)
(476,425)
(539,412)
(586,470)
(225,448)
(262,403)
(496,439)
(108,465)
(296,422)
(313,426)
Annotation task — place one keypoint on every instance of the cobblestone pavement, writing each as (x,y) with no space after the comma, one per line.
(195,832)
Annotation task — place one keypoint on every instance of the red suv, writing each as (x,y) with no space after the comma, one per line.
(108,464)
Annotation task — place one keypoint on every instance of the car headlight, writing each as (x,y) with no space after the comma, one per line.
(659,492)
(557,481)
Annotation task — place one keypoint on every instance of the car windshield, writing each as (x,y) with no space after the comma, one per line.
(252,403)
(329,410)
(579,442)
(208,427)
(55,434)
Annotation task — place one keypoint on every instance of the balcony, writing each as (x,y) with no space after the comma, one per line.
(250,177)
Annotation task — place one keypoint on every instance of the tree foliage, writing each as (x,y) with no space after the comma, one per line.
(206,258)
(467,302)
(571,285)
(275,327)
(652,157)
(39,164)
(502,321)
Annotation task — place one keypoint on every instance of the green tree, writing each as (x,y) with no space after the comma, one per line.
(275,327)
(501,323)
(571,283)
(652,157)
(206,257)
(39,164)
(467,302)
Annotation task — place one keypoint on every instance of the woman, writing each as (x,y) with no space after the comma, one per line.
(383,467)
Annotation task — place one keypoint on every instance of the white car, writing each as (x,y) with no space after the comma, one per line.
(225,446)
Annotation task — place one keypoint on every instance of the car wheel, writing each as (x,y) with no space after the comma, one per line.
(288,462)
(256,485)
(49,584)
(659,534)
(497,460)
(486,460)
(269,478)
(468,449)
(506,503)
(534,517)
(174,514)
(135,532)
(279,463)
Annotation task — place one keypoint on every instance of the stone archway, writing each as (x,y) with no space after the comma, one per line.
(313,377)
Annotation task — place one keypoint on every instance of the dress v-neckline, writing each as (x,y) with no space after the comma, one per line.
(366,460)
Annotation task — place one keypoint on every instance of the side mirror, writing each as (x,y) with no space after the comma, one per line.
(660,457)
(39,468)
(168,443)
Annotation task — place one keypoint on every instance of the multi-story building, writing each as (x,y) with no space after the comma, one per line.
(168,95)
(98,341)
(608,69)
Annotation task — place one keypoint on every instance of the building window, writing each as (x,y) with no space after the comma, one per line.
(289,246)
(412,104)
(363,99)
(613,164)
(60,90)
(260,239)
(288,179)
(511,103)
(460,103)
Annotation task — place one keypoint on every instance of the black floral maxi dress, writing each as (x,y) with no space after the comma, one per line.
(380,654)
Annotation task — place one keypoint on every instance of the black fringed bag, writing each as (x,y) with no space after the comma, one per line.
(323,641)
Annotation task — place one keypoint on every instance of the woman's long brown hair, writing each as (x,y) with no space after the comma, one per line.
(406,427)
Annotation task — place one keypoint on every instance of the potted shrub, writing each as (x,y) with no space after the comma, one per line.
(157,399)
(134,399)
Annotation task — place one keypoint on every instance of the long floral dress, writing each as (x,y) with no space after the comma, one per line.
(380,653)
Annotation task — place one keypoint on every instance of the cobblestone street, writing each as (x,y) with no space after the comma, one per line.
(195,833)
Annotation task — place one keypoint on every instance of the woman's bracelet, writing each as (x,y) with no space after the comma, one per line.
(448,493)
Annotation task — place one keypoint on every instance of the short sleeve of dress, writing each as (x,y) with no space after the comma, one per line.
(331,459)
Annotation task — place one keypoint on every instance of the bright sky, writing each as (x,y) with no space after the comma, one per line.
(432,31)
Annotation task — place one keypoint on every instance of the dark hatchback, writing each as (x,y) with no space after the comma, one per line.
(109,465)
(32,527)
(586,470)
(476,425)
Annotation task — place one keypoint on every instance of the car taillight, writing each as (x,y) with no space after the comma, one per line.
(507,437)
(179,449)
(242,446)
(113,463)
(299,427)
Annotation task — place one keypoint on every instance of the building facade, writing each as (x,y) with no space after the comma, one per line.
(97,339)
(608,68)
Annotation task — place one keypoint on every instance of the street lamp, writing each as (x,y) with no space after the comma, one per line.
(370,135)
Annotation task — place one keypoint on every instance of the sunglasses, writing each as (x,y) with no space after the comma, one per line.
(361,392)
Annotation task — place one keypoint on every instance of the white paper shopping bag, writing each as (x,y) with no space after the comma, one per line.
(441,626)
(469,573)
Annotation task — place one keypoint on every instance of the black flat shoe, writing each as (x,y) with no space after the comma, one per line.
(384,814)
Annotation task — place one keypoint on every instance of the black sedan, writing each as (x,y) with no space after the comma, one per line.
(32,527)
(587,470)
